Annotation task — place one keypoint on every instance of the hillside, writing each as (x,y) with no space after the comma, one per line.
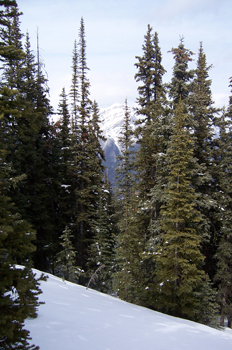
(75,318)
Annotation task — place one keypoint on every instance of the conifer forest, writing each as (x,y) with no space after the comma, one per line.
(162,237)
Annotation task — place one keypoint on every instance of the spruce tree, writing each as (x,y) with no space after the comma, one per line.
(96,151)
(101,252)
(150,73)
(127,278)
(125,169)
(66,258)
(151,110)
(19,288)
(83,189)
(74,86)
(203,119)
(180,85)
(202,109)
(179,261)
(30,147)
(101,248)
(43,185)
(152,133)
(64,135)
(86,170)
(224,199)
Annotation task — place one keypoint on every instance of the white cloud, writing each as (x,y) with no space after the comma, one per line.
(115,34)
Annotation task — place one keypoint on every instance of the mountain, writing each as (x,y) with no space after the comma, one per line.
(112,121)
(75,318)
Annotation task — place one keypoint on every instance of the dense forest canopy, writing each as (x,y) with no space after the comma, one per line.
(162,238)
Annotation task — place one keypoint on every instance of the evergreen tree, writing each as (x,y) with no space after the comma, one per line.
(66,258)
(96,152)
(29,146)
(203,118)
(83,189)
(179,274)
(74,86)
(151,107)
(127,278)
(224,251)
(86,169)
(101,248)
(101,252)
(150,73)
(63,112)
(19,288)
(152,134)
(66,199)
(125,169)
(202,110)
(180,85)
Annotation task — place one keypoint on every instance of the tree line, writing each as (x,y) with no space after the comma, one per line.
(162,238)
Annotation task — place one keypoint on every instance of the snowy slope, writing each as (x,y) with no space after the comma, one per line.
(80,319)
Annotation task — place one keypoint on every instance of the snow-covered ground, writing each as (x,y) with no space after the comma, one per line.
(75,318)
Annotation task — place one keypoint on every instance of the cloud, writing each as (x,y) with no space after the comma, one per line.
(115,34)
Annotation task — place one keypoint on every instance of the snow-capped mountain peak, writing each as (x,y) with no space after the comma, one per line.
(112,120)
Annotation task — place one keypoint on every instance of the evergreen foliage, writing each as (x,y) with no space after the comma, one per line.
(29,146)
(179,273)
(203,126)
(74,86)
(19,289)
(152,109)
(103,242)
(163,238)
(82,169)
(125,170)
(85,169)
(180,85)
(224,199)
(66,258)
(128,276)
(150,73)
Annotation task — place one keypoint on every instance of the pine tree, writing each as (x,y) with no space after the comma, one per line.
(125,169)
(180,85)
(86,170)
(64,135)
(150,73)
(30,147)
(203,120)
(74,86)
(101,248)
(43,185)
(19,288)
(101,252)
(151,107)
(179,274)
(83,191)
(96,152)
(127,277)
(202,109)
(66,258)
(224,198)
(152,135)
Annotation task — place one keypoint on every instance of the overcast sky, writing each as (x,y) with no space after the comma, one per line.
(115,32)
